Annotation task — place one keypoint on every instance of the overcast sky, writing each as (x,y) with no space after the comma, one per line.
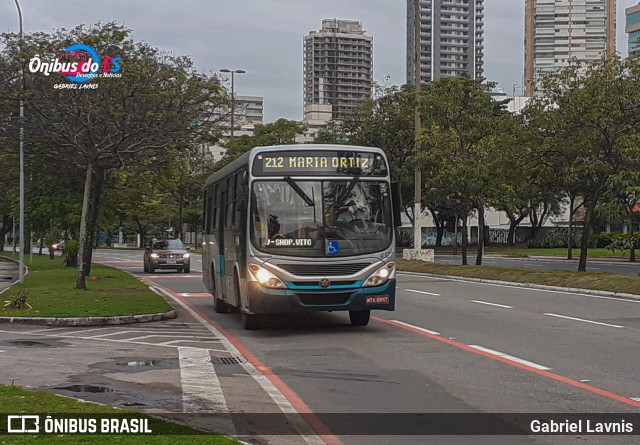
(264,37)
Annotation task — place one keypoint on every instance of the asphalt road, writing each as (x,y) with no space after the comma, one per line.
(451,346)
(617,266)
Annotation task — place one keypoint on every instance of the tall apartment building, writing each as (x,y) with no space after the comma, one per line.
(558,31)
(338,66)
(451,39)
(632,27)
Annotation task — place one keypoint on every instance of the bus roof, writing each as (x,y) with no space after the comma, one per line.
(247,158)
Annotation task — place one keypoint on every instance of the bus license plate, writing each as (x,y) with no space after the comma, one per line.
(171,262)
(378,299)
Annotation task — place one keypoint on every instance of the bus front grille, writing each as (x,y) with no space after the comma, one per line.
(307,270)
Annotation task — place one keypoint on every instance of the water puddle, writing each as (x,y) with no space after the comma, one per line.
(133,404)
(85,388)
(28,343)
(139,363)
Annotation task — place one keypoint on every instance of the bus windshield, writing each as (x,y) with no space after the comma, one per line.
(321,218)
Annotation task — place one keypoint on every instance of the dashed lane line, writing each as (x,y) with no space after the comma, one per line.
(548,374)
(417,328)
(422,292)
(491,304)
(510,357)
(585,321)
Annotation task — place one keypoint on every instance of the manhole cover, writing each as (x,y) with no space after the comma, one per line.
(232,360)
(84,388)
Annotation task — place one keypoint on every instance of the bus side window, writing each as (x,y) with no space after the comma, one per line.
(216,208)
(230,201)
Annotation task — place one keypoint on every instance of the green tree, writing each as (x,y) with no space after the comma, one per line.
(460,134)
(590,117)
(129,119)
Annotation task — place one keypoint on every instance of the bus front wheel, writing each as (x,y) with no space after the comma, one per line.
(359,318)
(219,305)
(250,321)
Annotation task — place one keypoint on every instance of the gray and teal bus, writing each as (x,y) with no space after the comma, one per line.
(298,228)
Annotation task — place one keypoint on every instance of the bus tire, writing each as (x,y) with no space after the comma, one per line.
(219,305)
(250,321)
(359,318)
(234,308)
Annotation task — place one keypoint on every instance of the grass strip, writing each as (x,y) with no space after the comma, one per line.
(581,280)
(14,400)
(50,287)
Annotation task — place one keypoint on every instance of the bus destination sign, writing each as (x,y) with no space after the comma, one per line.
(313,163)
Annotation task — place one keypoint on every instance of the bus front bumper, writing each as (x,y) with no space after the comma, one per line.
(268,301)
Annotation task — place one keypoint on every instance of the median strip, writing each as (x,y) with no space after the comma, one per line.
(585,321)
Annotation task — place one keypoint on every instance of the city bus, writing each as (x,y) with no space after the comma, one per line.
(298,228)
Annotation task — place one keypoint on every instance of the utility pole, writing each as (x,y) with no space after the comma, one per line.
(21,272)
(417,212)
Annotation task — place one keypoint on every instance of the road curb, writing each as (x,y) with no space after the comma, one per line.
(90,321)
(558,259)
(571,290)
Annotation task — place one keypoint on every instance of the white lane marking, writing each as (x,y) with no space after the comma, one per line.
(201,389)
(637,399)
(585,321)
(47,329)
(416,327)
(106,335)
(518,287)
(422,292)
(510,357)
(279,399)
(175,342)
(492,304)
(144,337)
(84,330)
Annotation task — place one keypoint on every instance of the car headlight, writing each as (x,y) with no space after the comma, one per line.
(380,276)
(186,255)
(154,256)
(266,278)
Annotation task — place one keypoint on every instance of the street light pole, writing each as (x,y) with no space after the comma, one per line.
(233,100)
(21,271)
(417,212)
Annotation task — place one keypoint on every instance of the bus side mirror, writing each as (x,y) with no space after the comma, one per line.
(396,204)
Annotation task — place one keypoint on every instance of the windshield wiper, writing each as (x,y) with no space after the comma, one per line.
(299,191)
(343,196)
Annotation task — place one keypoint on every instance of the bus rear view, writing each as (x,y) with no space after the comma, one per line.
(314,232)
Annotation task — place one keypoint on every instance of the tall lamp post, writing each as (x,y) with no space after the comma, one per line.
(21,272)
(417,212)
(233,100)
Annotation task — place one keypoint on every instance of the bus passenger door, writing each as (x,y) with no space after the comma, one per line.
(221,288)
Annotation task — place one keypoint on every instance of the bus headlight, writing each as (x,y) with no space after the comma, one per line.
(154,256)
(266,278)
(380,276)
(186,255)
